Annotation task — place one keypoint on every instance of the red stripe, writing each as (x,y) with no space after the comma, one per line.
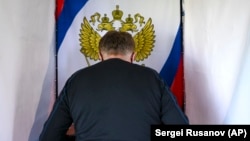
(59,7)
(178,87)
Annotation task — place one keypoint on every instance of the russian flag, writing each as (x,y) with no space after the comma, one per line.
(166,55)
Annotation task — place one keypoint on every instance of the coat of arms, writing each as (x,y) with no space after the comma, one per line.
(144,34)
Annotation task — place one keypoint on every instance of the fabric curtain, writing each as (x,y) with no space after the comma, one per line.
(27,67)
(216,56)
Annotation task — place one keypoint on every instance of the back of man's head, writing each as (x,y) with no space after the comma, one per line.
(117,43)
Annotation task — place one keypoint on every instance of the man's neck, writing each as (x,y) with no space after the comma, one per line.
(122,57)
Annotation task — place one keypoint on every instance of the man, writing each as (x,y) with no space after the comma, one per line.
(113,100)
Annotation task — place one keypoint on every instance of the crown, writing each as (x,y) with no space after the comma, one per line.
(117,14)
(129,24)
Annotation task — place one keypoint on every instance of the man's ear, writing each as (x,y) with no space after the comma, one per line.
(133,55)
(100,56)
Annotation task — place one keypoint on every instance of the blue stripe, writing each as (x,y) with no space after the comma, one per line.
(169,69)
(70,10)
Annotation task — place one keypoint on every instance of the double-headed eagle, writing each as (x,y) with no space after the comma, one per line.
(144,39)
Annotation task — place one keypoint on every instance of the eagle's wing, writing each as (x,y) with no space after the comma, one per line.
(144,41)
(89,40)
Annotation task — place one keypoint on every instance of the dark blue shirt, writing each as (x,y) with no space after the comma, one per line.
(113,100)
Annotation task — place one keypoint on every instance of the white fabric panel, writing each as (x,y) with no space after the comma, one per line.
(239,112)
(216,44)
(26,66)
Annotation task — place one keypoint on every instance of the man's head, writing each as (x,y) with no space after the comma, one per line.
(116,44)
